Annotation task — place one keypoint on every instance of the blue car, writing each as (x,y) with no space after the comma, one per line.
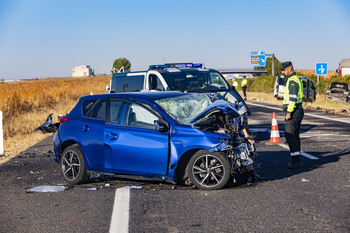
(172,136)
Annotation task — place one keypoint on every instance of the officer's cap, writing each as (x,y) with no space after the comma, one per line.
(286,64)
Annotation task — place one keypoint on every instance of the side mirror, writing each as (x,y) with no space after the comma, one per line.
(160,126)
(107,88)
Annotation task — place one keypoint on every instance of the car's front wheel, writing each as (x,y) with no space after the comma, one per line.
(73,166)
(208,170)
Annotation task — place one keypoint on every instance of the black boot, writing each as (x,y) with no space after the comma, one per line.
(296,162)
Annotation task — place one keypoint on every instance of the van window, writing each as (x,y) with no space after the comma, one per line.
(155,83)
(125,83)
(304,83)
(195,81)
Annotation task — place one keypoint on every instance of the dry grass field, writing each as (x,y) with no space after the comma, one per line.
(25,106)
(310,72)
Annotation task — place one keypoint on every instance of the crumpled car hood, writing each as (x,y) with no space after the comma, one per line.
(218,106)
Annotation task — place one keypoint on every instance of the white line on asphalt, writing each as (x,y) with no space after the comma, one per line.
(307,114)
(302,152)
(120,215)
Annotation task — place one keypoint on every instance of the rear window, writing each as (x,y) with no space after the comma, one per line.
(343,86)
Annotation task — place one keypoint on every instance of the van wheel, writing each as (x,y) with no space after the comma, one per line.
(208,170)
(73,166)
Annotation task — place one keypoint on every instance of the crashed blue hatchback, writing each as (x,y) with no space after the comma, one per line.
(183,138)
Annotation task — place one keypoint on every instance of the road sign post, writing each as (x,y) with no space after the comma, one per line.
(321,69)
(1,136)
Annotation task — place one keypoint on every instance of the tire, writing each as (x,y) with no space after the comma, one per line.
(208,170)
(72,165)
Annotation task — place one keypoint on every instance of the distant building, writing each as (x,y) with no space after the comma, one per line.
(83,71)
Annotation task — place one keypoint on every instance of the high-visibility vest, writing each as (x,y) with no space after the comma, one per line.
(235,84)
(292,99)
(244,82)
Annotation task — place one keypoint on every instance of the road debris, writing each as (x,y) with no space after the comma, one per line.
(304,180)
(131,187)
(48,126)
(46,189)
(92,189)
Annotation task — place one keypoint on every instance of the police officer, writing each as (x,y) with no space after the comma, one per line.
(244,87)
(294,113)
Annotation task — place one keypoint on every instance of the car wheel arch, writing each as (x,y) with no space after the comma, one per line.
(181,168)
(67,144)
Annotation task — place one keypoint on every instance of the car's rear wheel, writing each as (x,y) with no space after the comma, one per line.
(73,166)
(208,170)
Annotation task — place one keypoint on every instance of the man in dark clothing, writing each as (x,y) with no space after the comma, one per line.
(294,113)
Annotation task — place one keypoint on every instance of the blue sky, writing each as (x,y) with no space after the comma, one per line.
(47,38)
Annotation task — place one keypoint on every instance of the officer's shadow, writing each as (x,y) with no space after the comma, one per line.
(272,164)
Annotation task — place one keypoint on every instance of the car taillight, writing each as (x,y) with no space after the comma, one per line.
(63,120)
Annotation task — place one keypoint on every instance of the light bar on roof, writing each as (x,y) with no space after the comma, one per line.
(176,65)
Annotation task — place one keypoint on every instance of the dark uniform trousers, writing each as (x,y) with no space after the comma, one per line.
(292,129)
(244,88)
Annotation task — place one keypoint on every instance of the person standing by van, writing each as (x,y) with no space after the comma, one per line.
(294,113)
(235,84)
(244,87)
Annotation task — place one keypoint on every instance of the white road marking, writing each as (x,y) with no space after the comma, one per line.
(120,215)
(302,152)
(342,120)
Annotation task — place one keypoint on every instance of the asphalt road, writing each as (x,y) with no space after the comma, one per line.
(315,198)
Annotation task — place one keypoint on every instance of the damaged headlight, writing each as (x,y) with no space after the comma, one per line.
(220,147)
(243,154)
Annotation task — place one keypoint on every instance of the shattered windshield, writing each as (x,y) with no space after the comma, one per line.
(195,81)
(185,108)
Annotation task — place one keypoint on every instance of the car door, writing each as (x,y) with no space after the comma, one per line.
(91,129)
(132,145)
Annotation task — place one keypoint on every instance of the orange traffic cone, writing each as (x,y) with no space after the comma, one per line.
(275,133)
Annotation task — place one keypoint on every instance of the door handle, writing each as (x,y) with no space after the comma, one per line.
(112,136)
(85,128)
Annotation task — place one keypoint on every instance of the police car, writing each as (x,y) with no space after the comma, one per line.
(308,88)
(184,77)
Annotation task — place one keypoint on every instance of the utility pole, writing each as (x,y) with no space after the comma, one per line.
(273,65)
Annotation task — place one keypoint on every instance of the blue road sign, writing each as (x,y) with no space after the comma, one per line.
(257,58)
(321,69)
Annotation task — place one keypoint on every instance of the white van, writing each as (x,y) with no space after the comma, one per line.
(184,77)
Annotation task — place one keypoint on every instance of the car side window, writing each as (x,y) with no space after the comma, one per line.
(100,110)
(87,106)
(139,117)
(97,110)
(116,111)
